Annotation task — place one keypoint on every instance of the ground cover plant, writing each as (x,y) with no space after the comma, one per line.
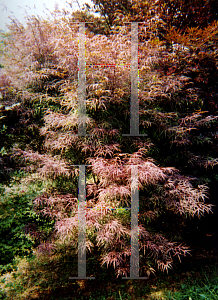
(177,157)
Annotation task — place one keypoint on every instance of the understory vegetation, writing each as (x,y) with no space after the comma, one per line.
(176,158)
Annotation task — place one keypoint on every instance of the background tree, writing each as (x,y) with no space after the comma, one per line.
(160,15)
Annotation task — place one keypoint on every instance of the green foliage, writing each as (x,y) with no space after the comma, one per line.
(16,214)
(205,289)
(44,281)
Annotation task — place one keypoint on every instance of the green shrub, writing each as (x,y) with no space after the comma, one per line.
(19,222)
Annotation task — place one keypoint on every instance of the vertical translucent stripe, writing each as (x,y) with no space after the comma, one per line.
(134,117)
(82,224)
(82,82)
(134,258)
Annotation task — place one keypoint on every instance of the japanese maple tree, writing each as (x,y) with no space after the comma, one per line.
(41,67)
